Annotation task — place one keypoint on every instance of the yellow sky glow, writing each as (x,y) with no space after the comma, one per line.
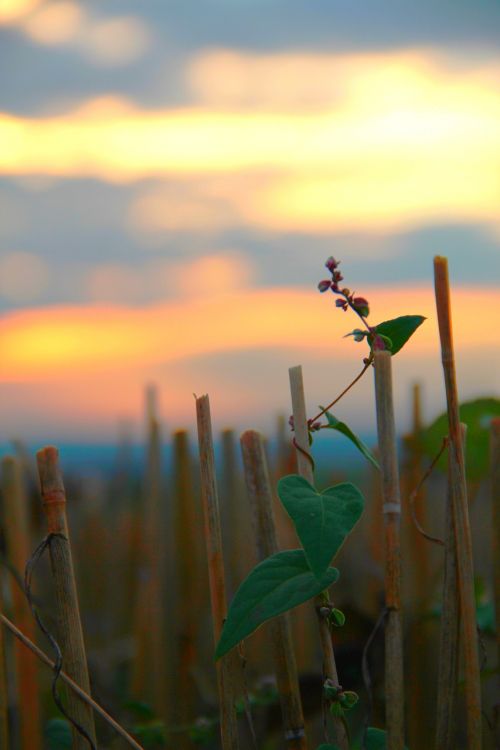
(41,344)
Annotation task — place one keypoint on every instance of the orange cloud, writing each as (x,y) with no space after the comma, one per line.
(39,344)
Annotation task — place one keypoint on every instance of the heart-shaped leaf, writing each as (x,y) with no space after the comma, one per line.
(275,585)
(399,330)
(322,520)
(335,424)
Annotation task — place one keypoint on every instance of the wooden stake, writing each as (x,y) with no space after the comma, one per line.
(187,598)
(18,552)
(4,692)
(460,511)
(495,508)
(228,723)
(261,501)
(305,470)
(68,614)
(449,642)
(394,681)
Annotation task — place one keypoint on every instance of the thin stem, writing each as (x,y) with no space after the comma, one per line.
(414,494)
(71,684)
(335,400)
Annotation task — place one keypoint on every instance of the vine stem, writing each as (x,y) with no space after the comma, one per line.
(394,680)
(335,400)
(305,469)
(458,490)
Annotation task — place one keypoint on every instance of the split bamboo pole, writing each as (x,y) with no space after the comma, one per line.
(187,577)
(460,511)
(394,680)
(17,535)
(495,508)
(228,722)
(449,642)
(68,613)
(304,467)
(261,500)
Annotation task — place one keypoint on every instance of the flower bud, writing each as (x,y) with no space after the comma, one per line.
(324,285)
(331,263)
(361,305)
(341,303)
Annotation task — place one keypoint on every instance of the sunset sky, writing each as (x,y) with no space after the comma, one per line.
(174,175)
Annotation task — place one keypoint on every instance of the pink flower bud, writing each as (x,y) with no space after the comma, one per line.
(341,303)
(324,285)
(331,263)
(361,305)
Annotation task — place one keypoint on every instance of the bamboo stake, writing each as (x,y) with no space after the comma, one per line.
(4,692)
(449,642)
(416,572)
(304,467)
(71,683)
(495,503)
(68,614)
(186,542)
(18,552)
(460,511)
(261,501)
(228,723)
(394,681)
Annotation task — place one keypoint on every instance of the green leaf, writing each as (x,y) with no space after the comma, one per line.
(337,618)
(477,415)
(376,739)
(399,330)
(335,424)
(328,747)
(322,520)
(275,585)
(58,734)
(152,735)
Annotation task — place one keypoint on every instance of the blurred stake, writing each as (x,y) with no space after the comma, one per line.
(394,681)
(4,693)
(305,469)
(213,539)
(17,535)
(261,501)
(187,598)
(460,511)
(495,507)
(449,642)
(68,613)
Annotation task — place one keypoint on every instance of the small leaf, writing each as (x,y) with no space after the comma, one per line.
(328,747)
(348,699)
(337,618)
(376,739)
(399,330)
(274,586)
(322,520)
(58,734)
(335,424)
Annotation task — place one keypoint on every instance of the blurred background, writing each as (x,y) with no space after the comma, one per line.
(174,175)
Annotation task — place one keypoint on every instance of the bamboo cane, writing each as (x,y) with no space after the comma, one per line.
(18,551)
(304,467)
(460,511)
(228,723)
(68,614)
(394,681)
(495,508)
(186,541)
(449,643)
(22,638)
(261,501)
(416,572)
(4,692)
